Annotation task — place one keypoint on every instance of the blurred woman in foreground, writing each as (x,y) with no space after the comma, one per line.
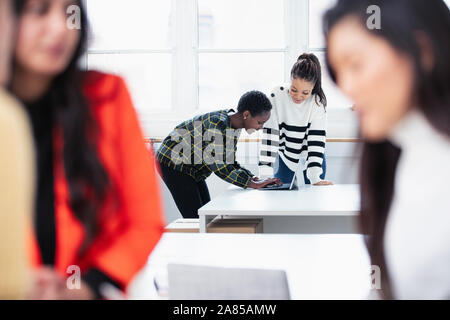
(398,75)
(16,173)
(98,206)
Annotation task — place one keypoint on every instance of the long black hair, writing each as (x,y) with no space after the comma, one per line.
(308,68)
(400,22)
(87,179)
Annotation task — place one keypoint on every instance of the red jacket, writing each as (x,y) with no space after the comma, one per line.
(131,220)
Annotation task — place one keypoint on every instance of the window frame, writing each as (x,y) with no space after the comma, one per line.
(185,60)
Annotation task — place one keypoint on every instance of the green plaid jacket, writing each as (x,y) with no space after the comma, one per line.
(203,145)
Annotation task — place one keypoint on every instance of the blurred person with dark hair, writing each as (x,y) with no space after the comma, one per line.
(398,75)
(98,205)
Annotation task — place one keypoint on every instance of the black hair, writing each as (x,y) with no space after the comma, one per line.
(87,178)
(308,68)
(401,20)
(17,5)
(255,102)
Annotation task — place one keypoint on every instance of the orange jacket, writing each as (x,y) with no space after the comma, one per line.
(131,221)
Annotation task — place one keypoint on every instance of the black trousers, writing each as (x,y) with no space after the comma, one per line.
(188,194)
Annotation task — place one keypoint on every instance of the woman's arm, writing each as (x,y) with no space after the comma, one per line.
(138,196)
(220,157)
(316,145)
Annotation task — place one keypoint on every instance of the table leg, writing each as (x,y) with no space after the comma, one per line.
(203,223)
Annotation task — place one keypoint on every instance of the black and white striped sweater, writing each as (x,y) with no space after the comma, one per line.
(294,132)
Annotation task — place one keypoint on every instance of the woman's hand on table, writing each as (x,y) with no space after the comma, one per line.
(258,184)
(48,284)
(324,183)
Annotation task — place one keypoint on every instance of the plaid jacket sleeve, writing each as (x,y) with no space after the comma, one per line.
(219,155)
(238,166)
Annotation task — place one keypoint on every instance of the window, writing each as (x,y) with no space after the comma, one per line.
(316,45)
(316,10)
(232,24)
(185,57)
(133,39)
(241,48)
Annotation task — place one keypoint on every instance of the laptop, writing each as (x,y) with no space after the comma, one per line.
(195,282)
(285,186)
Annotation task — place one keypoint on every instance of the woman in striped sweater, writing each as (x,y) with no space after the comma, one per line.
(296,129)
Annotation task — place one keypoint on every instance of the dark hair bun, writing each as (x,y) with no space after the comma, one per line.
(305,56)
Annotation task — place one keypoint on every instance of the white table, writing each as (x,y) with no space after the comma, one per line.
(317,266)
(308,201)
